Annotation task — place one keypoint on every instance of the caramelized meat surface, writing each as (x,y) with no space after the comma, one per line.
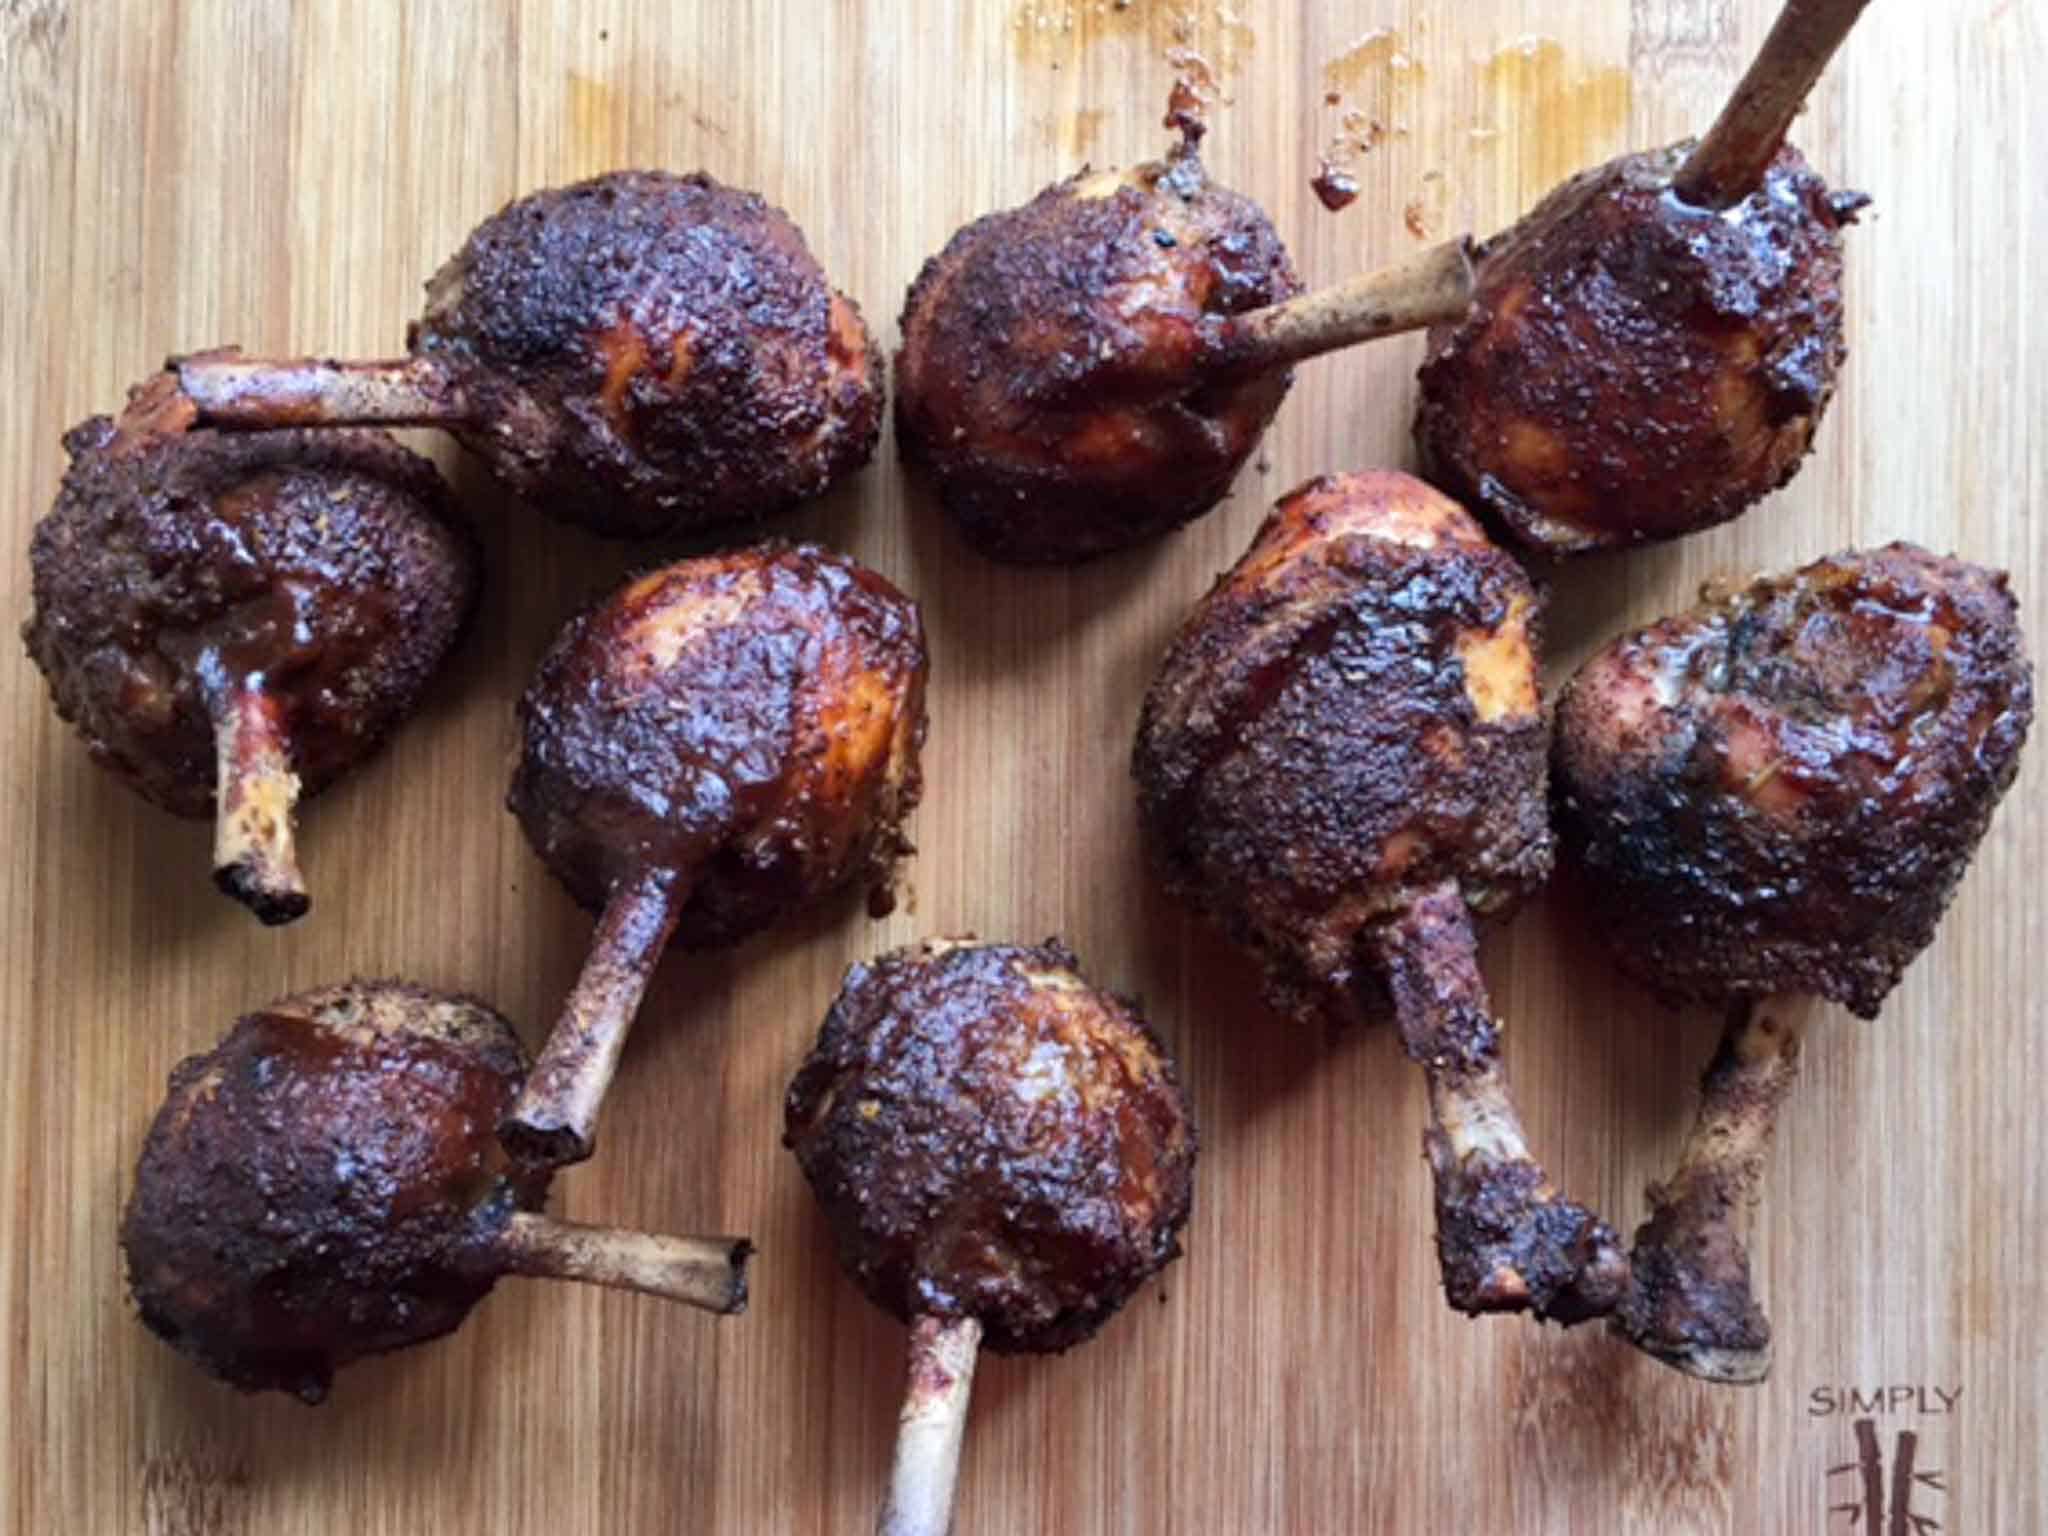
(1778,791)
(748,722)
(256,610)
(1349,719)
(647,353)
(323,1184)
(1048,382)
(1635,368)
(992,1137)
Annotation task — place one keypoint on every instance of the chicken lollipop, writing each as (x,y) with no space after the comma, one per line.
(1342,760)
(1005,1157)
(1650,350)
(719,743)
(1777,793)
(641,353)
(324,1185)
(232,621)
(1091,370)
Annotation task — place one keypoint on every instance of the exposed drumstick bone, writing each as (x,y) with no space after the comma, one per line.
(707,1272)
(1506,1239)
(928,1435)
(554,1119)
(1728,162)
(1689,1300)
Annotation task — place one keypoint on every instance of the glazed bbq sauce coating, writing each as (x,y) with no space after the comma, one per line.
(1635,368)
(324,1185)
(1048,377)
(641,353)
(722,742)
(1778,791)
(232,621)
(1341,760)
(1775,793)
(314,1187)
(993,1138)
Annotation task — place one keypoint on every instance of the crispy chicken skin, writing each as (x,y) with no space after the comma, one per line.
(992,1137)
(1634,368)
(1349,718)
(648,353)
(749,722)
(1778,791)
(1046,380)
(322,1185)
(641,353)
(326,574)
(1341,760)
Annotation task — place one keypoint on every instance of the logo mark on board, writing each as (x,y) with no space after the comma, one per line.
(1886,1489)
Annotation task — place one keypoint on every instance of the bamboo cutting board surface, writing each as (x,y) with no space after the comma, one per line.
(183,174)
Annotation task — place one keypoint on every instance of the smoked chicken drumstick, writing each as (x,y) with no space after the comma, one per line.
(1649,351)
(324,1185)
(1092,369)
(232,621)
(1004,1156)
(721,742)
(1777,793)
(641,353)
(1341,759)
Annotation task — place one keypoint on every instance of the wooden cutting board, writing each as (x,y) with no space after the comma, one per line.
(181,174)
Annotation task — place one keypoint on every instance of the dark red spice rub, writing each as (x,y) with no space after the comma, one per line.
(1311,756)
(1779,790)
(294,590)
(324,1184)
(1777,793)
(1047,380)
(718,744)
(1635,368)
(992,1137)
(1341,760)
(645,353)
(641,353)
(749,722)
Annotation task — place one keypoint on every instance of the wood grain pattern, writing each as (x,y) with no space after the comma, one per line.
(286,176)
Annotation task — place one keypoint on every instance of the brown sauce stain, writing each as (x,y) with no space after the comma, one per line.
(1428,211)
(1372,85)
(595,126)
(1553,114)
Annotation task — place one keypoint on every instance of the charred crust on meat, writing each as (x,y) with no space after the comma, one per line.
(992,1137)
(1045,380)
(332,565)
(323,1184)
(1779,790)
(1310,756)
(1505,1243)
(749,722)
(648,353)
(1690,1295)
(1635,368)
